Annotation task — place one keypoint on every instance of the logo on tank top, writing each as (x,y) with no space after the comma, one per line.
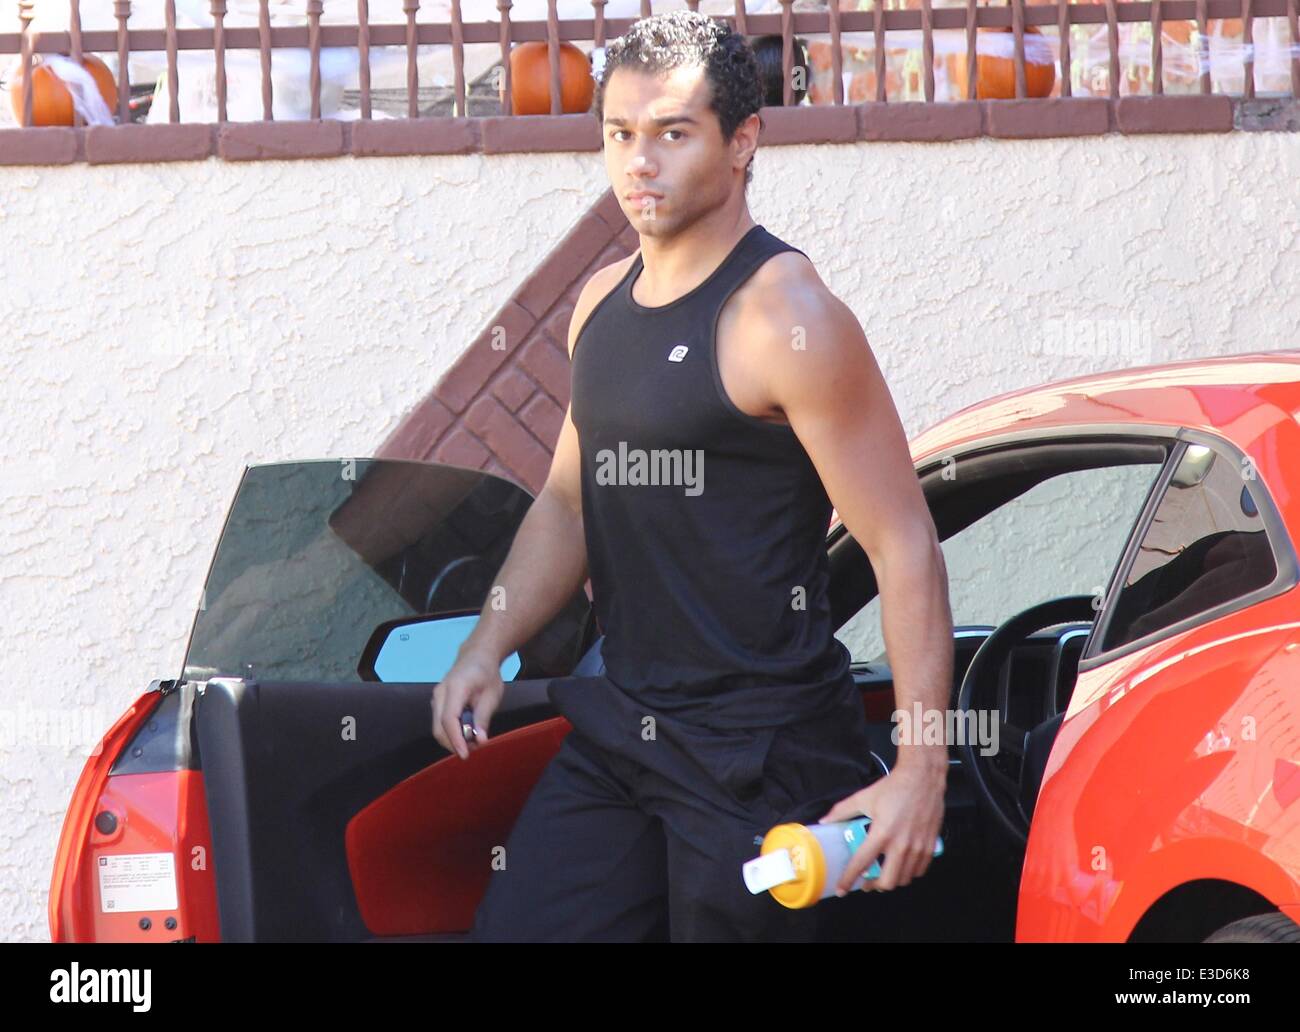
(678,353)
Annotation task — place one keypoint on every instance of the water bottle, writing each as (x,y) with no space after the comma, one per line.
(801,864)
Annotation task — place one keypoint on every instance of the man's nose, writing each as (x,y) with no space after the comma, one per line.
(640,165)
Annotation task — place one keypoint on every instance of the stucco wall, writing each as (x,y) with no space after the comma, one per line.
(164,325)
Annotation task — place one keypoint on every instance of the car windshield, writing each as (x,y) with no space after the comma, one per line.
(315,555)
(1062,536)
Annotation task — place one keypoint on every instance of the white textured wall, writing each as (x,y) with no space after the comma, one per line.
(164,325)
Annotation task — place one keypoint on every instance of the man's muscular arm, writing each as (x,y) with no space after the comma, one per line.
(818,367)
(546,564)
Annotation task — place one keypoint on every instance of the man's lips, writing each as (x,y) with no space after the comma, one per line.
(641,195)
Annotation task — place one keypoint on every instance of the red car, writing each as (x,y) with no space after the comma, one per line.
(1124,730)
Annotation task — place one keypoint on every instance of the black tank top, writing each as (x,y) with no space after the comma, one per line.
(705,526)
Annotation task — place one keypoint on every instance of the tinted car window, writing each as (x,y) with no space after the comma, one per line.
(315,555)
(1206,545)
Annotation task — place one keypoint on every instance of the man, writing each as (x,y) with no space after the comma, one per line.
(722,399)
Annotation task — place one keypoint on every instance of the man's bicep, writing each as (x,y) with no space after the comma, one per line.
(565,476)
(838,403)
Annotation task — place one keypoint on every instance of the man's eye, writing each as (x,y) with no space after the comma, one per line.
(617,133)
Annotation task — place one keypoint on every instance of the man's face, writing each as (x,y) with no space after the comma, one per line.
(663,141)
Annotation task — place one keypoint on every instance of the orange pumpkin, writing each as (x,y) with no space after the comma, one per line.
(862,85)
(530,76)
(51,98)
(995,77)
(862,88)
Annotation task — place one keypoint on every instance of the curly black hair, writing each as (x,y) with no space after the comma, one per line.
(665,41)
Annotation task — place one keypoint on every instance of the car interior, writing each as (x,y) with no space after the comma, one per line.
(395,838)
(1025,674)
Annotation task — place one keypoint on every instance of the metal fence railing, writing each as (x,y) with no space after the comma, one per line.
(1024,36)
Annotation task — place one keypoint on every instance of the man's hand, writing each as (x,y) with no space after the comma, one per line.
(906,811)
(474,680)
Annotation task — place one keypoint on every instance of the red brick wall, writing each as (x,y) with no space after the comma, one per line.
(501,409)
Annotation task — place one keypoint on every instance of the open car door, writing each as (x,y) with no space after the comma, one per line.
(337,598)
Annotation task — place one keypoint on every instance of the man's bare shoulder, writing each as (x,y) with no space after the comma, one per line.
(785,299)
(595,290)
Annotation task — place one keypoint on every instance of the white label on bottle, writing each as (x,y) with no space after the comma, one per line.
(767,871)
(137,881)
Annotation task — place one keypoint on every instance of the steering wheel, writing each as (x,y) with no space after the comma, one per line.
(462,574)
(1003,792)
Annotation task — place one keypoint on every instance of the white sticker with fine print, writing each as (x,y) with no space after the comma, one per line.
(137,881)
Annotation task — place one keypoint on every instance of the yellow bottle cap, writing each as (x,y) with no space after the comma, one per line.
(809,865)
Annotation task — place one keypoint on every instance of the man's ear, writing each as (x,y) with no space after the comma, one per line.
(745,140)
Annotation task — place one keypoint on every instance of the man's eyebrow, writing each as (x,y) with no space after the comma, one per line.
(657,122)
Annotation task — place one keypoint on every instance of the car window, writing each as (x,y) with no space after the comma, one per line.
(1206,545)
(315,555)
(1064,536)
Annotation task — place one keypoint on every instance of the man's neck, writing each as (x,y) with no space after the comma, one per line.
(673,267)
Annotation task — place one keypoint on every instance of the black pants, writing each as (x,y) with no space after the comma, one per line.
(639,835)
